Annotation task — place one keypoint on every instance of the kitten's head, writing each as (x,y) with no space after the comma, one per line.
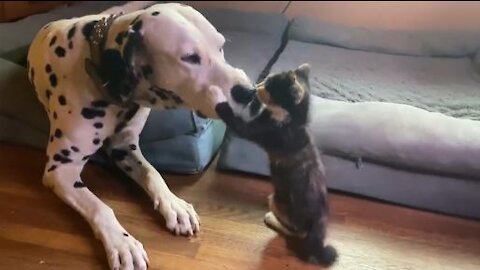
(286,95)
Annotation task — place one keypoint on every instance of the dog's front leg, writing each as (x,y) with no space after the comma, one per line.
(123,148)
(123,250)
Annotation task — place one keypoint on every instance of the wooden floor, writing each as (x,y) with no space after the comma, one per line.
(37,231)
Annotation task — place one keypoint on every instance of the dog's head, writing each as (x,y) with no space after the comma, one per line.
(184,54)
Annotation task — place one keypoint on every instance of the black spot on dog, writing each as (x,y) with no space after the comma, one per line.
(88,28)
(55,115)
(159,92)
(96,133)
(127,168)
(100,103)
(71,32)
(131,113)
(52,41)
(119,127)
(53,80)
(165,94)
(70,45)
(62,100)
(147,71)
(132,147)
(118,154)
(139,163)
(96,141)
(61,159)
(89,113)
(48,93)
(58,133)
(48,68)
(60,51)
(124,234)
(119,38)
(75,149)
(79,184)
(116,70)
(52,168)
(65,152)
(137,26)
(177,99)
(155,13)
(98,125)
(69,112)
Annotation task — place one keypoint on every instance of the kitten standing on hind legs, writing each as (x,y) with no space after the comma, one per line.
(275,117)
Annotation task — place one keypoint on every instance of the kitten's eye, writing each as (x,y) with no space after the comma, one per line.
(191,58)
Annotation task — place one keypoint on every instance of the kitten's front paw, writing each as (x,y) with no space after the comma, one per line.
(242,95)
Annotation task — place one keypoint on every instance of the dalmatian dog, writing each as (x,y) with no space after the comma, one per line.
(98,77)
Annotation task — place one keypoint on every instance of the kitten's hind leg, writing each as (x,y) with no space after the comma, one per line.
(272,222)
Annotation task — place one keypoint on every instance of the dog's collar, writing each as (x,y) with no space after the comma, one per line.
(96,41)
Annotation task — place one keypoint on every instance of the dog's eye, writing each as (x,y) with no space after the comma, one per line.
(191,58)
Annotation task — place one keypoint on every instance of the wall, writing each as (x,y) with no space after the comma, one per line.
(372,14)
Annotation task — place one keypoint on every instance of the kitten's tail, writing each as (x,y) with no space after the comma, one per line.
(314,245)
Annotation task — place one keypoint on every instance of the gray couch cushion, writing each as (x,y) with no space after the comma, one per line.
(183,142)
(18,103)
(443,194)
(453,43)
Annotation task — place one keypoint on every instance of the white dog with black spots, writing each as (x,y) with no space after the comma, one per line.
(161,57)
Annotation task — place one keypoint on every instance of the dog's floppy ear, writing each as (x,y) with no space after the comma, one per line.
(118,69)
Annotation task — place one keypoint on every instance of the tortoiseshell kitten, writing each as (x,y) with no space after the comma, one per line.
(275,116)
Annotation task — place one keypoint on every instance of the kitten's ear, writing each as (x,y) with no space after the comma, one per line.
(291,76)
(298,92)
(303,71)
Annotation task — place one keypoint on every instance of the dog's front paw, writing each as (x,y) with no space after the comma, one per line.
(179,215)
(125,252)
